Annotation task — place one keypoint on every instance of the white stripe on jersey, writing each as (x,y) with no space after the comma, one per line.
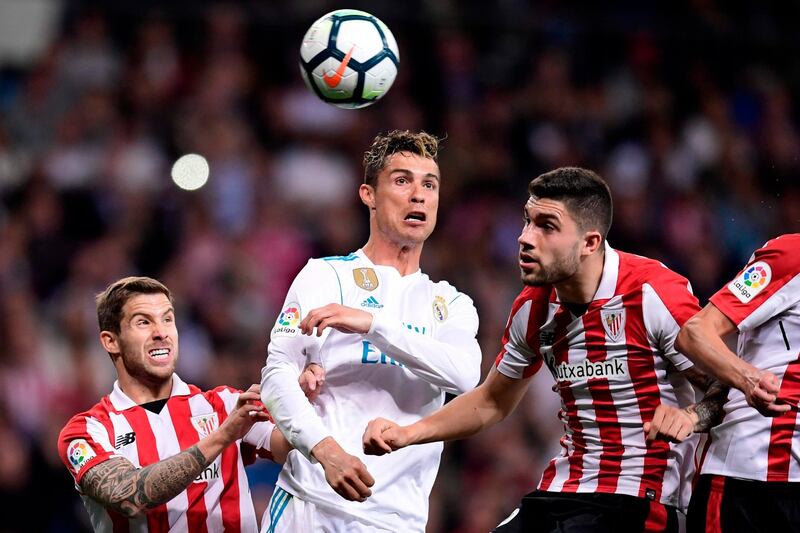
(98,432)
(199,405)
(168,445)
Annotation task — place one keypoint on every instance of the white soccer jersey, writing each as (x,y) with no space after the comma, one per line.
(613,366)
(764,303)
(219,499)
(421,344)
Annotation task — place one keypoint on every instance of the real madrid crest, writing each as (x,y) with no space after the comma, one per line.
(439,309)
(366,278)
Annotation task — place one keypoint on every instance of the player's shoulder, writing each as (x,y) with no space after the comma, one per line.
(444,288)
(328,265)
(782,248)
(77,424)
(637,270)
(225,392)
(539,297)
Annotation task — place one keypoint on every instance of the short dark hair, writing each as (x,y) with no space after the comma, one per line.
(585,194)
(111,301)
(386,144)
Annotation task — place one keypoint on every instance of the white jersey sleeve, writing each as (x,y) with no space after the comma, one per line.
(451,360)
(288,353)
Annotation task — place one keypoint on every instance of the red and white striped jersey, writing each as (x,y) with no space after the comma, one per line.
(613,366)
(218,499)
(764,303)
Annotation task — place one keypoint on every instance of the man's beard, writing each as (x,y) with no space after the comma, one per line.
(561,269)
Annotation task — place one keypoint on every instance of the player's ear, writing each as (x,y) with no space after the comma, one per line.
(367,194)
(592,241)
(110,342)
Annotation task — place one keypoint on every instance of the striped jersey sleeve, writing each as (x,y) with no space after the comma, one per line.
(84,443)
(667,304)
(519,356)
(768,285)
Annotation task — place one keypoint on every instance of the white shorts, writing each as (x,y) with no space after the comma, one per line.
(288,514)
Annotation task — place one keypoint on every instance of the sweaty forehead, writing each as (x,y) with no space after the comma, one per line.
(546,206)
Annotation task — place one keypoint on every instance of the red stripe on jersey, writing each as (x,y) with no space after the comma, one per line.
(157,518)
(604,407)
(561,354)
(656,519)
(548,475)
(229,470)
(645,386)
(181,416)
(784,426)
(713,518)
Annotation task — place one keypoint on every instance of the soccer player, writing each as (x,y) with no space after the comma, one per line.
(159,454)
(604,323)
(392,343)
(750,475)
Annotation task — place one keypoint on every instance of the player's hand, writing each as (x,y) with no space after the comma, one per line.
(384,436)
(761,392)
(311,380)
(340,317)
(671,424)
(247,412)
(345,473)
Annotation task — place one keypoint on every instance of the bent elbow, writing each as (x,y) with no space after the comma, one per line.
(687,333)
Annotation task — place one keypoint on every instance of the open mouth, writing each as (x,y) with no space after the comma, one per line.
(159,353)
(418,216)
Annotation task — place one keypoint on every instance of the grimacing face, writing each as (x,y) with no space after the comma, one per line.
(550,243)
(148,338)
(406,199)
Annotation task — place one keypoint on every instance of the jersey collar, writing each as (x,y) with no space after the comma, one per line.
(120,400)
(608,281)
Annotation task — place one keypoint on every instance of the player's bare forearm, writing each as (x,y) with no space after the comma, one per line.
(708,411)
(700,339)
(130,491)
(470,413)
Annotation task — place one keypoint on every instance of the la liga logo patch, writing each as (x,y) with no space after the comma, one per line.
(79,453)
(751,281)
(288,320)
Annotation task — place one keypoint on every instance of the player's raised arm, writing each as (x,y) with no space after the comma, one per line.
(482,407)
(117,484)
(450,361)
(288,355)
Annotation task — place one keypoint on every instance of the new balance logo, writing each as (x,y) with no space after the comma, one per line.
(372,303)
(124,440)
(586,369)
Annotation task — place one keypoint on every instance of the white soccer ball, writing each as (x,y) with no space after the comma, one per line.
(349,58)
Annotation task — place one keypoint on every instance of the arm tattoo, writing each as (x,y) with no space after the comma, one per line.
(119,485)
(709,409)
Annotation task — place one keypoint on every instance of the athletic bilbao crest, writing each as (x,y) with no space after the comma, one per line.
(613,322)
(366,278)
(205,424)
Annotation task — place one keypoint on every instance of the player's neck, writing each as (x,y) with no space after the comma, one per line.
(581,288)
(141,392)
(404,258)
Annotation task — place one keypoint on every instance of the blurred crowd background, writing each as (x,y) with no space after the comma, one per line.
(687,108)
